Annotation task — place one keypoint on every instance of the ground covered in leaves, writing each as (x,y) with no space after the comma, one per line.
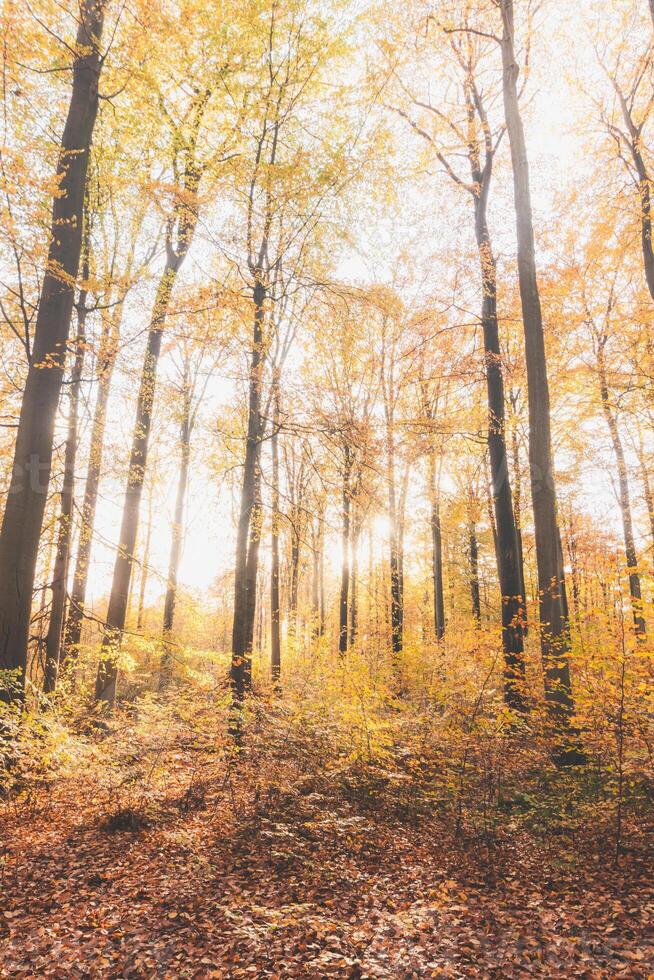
(147,851)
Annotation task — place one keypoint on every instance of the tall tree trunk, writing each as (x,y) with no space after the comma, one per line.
(397,610)
(60,576)
(252,568)
(647,489)
(473,554)
(177,538)
(317,598)
(321,572)
(246,558)
(145,568)
(343,631)
(105,686)
(295,575)
(275,626)
(509,565)
(26,499)
(437,548)
(555,634)
(106,362)
(354,577)
(517,510)
(644,186)
(180,229)
(625,498)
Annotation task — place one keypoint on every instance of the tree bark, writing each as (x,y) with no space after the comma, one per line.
(275,626)
(246,558)
(105,687)
(644,188)
(145,568)
(473,554)
(437,548)
(180,230)
(60,575)
(107,360)
(508,554)
(625,497)
(354,576)
(23,517)
(647,489)
(555,637)
(177,538)
(343,631)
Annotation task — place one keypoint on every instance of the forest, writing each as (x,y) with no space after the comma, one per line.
(327,488)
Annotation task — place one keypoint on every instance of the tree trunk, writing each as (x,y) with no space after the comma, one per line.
(295,575)
(517,510)
(145,569)
(437,549)
(180,229)
(26,499)
(555,637)
(107,360)
(177,540)
(473,554)
(647,490)
(246,559)
(60,576)
(275,630)
(105,687)
(354,579)
(625,498)
(343,631)
(317,599)
(509,565)
(321,572)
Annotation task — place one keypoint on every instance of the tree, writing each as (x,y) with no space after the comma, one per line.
(188,164)
(60,575)
(23,516)
(555,640)
(475,136)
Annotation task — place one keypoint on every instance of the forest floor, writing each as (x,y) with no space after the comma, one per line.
(153,855)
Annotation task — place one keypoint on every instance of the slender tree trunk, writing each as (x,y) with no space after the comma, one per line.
(625,498)
(145,568)
(180,229)
(177,541)
(275,626)
(343,632)
(647,490)
(252,568)
(26,499)
(555,634)
(395,565)
(107,360)
(517,510)
(437,548)
(315,586)
(354,578)
(60,576)
(509,565)
(473,554)
(321,573)
(295,575)
(105,687)
(246,559)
